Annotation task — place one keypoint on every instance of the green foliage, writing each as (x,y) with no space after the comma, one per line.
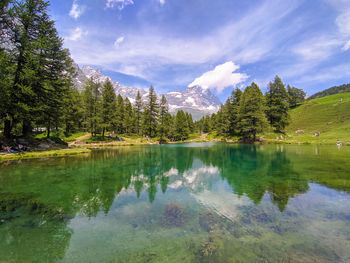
(39,77)
(138,113)
(92,101)
(252,118)
(150,115)
(277,105)
(163,120)
(295,96)
(182,130)
(128,122)
(108,107)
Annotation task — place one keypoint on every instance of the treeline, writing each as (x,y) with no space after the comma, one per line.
(35,69)
(37,89)
(103,111)
(331,91)
(245,114)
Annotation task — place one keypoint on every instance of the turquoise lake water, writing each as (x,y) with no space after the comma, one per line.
(201,202)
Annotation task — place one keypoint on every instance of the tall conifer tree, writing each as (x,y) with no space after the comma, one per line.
(277,105)
(252,119)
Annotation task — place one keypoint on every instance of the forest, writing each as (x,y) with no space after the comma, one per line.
(38,93)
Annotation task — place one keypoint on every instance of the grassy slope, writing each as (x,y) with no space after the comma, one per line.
(326,115)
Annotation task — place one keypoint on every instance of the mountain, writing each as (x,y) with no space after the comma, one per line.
(195,100)
(333,90)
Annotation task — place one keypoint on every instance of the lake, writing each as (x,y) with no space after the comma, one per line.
(201,202)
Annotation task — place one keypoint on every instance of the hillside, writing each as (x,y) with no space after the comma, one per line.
(328,116)
(331,91)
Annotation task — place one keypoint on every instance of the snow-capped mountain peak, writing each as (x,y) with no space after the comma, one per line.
(196,100)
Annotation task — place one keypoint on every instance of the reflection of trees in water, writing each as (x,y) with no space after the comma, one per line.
(252,171)
(56,190)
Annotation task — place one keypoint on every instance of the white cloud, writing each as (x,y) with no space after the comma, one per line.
(346,46)
(162,2)
(76,34)
(120,4)
(76,10)
(317,49)
(221,77)
(247,40)
(118,41)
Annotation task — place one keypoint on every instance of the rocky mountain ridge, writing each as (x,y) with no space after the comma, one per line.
(195,100)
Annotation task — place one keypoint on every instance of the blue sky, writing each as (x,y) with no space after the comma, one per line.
(219,44)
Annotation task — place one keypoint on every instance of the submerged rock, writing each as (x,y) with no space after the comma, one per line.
(173,214)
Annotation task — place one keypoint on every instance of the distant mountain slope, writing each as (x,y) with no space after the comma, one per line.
(333,90)
(195,100)
(329,115)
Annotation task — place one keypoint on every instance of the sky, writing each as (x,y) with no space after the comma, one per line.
(217,44)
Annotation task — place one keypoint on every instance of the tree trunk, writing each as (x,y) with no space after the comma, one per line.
(103,132)
(26,128)
(48,130)
(7,129)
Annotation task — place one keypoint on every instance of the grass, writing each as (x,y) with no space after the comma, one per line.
(43,154)
(328,116)
(60,134)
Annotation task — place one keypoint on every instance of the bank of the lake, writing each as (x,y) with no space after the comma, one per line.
(84,146)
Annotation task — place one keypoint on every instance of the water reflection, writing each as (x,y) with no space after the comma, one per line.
(43,196)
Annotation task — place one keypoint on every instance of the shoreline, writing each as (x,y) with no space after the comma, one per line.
(86,148)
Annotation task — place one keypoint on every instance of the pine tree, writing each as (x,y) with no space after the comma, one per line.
(108,107)
(128,117)
(277,105)
(295,96)
(163,111)
(206,124)
(150,115)
(232,112)
(41,76)
(92,106)
(119,115)
(138,113)
(181,126)
(252,118)
(190,122)
(73,111)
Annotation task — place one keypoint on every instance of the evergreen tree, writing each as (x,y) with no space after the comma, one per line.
(150,115)
(206,124)
(295,96)
(252,118)
(41,75)
(190,122)
(92,106)
(108,107)
(232,112)
(181,126)
(119,115)
(138,113)
(128,123)
(73,111)
(163,125)
(277,105)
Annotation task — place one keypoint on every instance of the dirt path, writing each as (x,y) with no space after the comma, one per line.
(204,136)
(79,139)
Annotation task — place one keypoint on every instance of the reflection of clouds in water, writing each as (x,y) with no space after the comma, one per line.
(192,174)
(223,203)
(189,177)
(171,172)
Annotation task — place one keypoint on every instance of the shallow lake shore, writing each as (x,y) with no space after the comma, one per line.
(85,147)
